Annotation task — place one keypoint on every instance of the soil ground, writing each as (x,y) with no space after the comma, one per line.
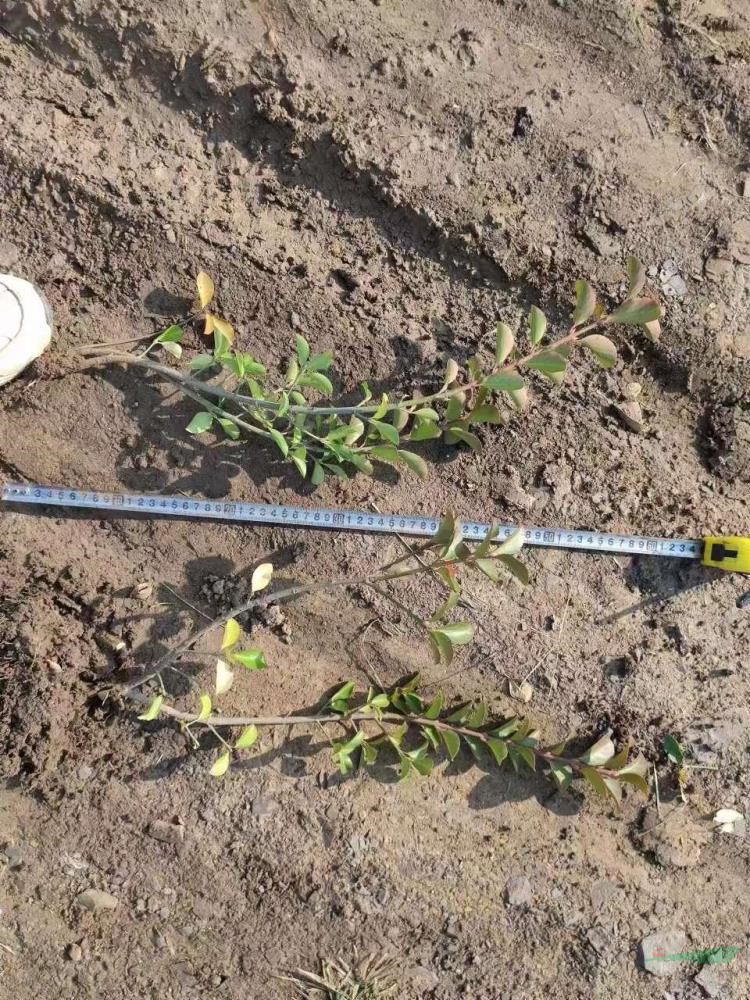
(390,178)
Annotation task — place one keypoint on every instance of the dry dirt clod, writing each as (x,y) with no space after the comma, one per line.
(518,891)
(97,901)
(74,953)
(168,832)
(631,415)
(676,840)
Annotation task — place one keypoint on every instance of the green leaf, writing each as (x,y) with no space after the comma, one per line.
(230,429)
(516,568)
(585,302)
(637,312)
(172,335)
(636,780)
(354,430)
(498,749)
(318,474)
(435,707)
(427,413)
(511,546)
(600,752)
(382,407)
(369,753)
(232,633)
(154,709)
(595,780)
(504,343)
(489,568)
(221,764)
(425,430)
(385,453)
(279,440)
(639,767)
(292,371)
(247,738)
(351,745)
(504,382)
(399,418)
(455,407)
(537,325)
(456,433)
(458,633)
(222,344)
(486,413)
(362,463)
(320,362)
(430,734)
(302,347)
(204,707)
(508,728)
(475,745)
(602,348)
(520,754)
(636,275)
(200,423)
(519,399)
(415,462)
(318,381)
(452,743)
(451,372)
(174,349)
(386,431)
(261,577)
(299,456)
(547,362)
(477,716)
(673,750)
(250,659)
(562,773)
(442,648)
(201,362)
(486,544)
(341,697)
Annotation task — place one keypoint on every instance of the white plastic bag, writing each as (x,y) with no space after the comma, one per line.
(25,325)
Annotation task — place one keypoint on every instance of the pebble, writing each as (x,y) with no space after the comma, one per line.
(710,980)
(74,953)
(631,415)
(13,857)
(669,942)
(263,806)
(672,282)
(96,900)
(518,891)
(168,832)
(717,267)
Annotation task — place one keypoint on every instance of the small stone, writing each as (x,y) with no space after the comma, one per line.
(632,390)
(656,949)
(424,980)
(96,900)
(296,321)
(14,857)
(74,953)
(518,891)
(675,840)
(142,591)
(711,981)
(631,415)
(599,940)
(169,235)
(672,282)
(745,186)
(168,832)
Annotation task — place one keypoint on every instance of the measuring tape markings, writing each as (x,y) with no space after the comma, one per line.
(348,520)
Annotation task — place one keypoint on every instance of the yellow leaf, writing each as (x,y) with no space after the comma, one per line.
(224,677)
(221,764)
(224,328)
(232,633)
(205,288)
(208,329)
(261,577)
(205,708)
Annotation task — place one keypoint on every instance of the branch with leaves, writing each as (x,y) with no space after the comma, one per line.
(398,721)
(238,395)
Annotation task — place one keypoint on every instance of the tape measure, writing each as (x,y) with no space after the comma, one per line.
(724,552)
